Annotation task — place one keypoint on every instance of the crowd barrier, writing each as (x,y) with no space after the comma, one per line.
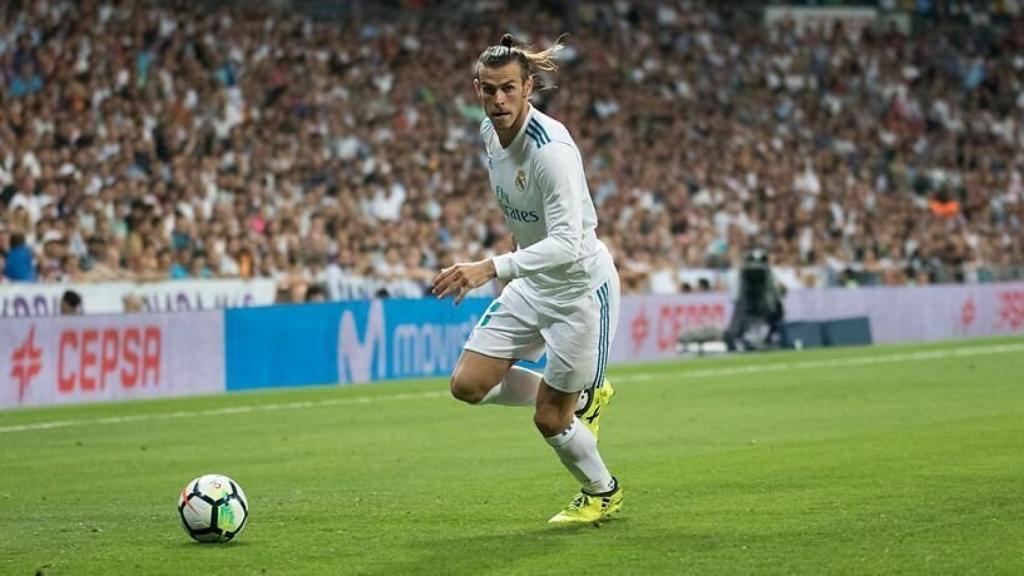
(21,299)
(105,357)
(346,342)
(649,325)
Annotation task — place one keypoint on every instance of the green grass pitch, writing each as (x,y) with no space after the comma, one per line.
(882,460)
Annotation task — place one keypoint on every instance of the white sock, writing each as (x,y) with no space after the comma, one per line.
(577,448)
(517,388)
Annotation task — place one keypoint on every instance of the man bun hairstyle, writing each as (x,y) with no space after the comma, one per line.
(532,62)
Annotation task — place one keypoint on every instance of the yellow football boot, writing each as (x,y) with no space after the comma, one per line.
(587,508)
(591,414)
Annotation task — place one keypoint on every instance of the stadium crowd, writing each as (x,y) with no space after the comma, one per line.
(144,141)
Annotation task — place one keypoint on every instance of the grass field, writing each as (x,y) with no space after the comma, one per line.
(883,460)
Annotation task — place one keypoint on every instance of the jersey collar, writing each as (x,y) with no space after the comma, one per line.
(517,142)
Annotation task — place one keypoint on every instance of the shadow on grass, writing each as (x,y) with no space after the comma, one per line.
(193,545)
(502,552)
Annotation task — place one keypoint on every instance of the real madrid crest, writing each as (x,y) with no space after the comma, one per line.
(521,180)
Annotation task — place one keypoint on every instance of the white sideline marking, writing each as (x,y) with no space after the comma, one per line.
(836,362)
(246,409)
(708,373)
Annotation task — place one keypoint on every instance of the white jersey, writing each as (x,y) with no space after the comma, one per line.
(541,187)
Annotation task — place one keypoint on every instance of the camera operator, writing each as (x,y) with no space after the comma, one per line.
(758,314)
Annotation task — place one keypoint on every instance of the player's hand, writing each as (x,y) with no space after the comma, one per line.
(460,279)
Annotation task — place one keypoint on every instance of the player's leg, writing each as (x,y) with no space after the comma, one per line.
(480,379)
(595,398)
(485,372)
(574,443)
(476,375)
(576,447)
(518,387)
(577,336)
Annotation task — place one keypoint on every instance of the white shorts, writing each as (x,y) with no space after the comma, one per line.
(576,335)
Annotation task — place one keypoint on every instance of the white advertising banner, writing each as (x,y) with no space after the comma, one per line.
(76,359)
(854,19)
(25,299)
(919,313)
(823,19)
(649,326)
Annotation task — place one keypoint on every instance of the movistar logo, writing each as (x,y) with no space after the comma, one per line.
(356,353)
(512,212)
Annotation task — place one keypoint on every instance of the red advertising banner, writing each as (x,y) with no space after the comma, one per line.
(74,359)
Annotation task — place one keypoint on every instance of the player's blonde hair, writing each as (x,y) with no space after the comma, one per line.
(531,61)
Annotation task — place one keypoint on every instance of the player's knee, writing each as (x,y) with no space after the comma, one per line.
(550,421)
(466,390)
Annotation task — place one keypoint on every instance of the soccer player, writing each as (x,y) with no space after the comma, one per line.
(562,295)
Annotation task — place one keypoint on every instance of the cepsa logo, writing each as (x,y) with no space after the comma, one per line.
(673,320)
(91,359)
(85,361)
(26,363)
(668,321)
(1011,309)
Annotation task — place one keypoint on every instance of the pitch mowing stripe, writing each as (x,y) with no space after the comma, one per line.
(961,352)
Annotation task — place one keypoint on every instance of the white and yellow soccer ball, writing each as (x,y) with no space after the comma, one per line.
(213,508)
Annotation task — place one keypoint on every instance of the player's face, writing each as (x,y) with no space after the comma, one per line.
(504,95)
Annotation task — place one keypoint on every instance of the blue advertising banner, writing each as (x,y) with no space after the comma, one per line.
(345,342)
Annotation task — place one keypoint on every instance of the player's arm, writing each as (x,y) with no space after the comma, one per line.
(503,283)
(559,173)
(460,279)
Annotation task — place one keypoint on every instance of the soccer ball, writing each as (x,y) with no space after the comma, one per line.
(213,508)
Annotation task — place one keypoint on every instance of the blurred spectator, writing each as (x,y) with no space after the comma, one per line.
(70,269)
(70,303)
(153,140)
(20,266)
(174,263)
(316,293)
(198,268)
(131,303)
(51,260)
(943,206)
